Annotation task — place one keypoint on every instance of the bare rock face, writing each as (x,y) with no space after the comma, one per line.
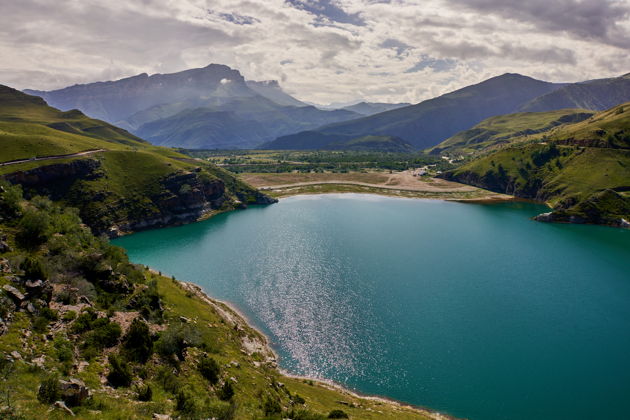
(44,176)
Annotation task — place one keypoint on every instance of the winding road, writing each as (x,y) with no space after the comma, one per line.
(71,155)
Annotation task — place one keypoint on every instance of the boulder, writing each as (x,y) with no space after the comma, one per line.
(73,391)
(13,293)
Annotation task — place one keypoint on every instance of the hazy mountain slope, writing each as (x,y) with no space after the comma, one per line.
(271,90)
(507,129)
(595,95)
(430,122)
(159,106)
(116,100)
(371,108)
(581,169)
(125,185)
(244,123)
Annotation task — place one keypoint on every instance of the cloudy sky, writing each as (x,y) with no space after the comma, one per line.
(320,51)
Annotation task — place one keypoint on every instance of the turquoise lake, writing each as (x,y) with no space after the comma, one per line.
(472,310)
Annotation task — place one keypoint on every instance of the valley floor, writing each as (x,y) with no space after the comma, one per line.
(401,184)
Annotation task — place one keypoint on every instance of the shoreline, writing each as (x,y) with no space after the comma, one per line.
(223,306)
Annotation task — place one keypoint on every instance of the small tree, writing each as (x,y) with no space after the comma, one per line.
(49,390)
(119,373)
(226,392)
(209,369)
(138,342)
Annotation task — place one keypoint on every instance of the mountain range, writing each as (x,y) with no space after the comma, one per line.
(430,122)
(215,107)
(218,107)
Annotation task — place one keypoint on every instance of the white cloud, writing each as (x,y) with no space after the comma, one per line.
(326,51)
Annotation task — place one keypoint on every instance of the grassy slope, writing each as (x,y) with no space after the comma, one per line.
(507,129)
(131,169)
(576,165)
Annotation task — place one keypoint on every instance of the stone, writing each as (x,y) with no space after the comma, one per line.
(62,406)
(73,391)
(13,293)
(15,355)
(4,247)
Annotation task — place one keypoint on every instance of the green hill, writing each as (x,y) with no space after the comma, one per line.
(124,184)
(504,130)
(582,170)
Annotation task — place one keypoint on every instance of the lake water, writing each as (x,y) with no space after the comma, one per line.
(472,310)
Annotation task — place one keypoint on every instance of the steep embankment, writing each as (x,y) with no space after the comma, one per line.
(88,335)
(582,170)
(129,185)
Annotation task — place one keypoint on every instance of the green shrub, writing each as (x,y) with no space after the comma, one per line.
(104,334)
(84,321)
(33,229)
(64,349)
(186,403)
(10,199)
(145,393)
(304,415)
(49,314)
(138,342)
(209,369)
(34,268)
(119,372)
(40,324)
(271,406)
(168,380)
(49,390)
(175,340)
(297,399)
(226,392)
(337,414)
(69,316)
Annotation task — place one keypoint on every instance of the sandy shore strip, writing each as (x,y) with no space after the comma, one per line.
(400,184)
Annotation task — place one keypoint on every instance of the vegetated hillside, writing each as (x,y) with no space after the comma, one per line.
(156,107)
(596,95)
(582,170)
(124,184)
(385,144)
(430,122)
(507,129)
(85,334)
(371,108)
